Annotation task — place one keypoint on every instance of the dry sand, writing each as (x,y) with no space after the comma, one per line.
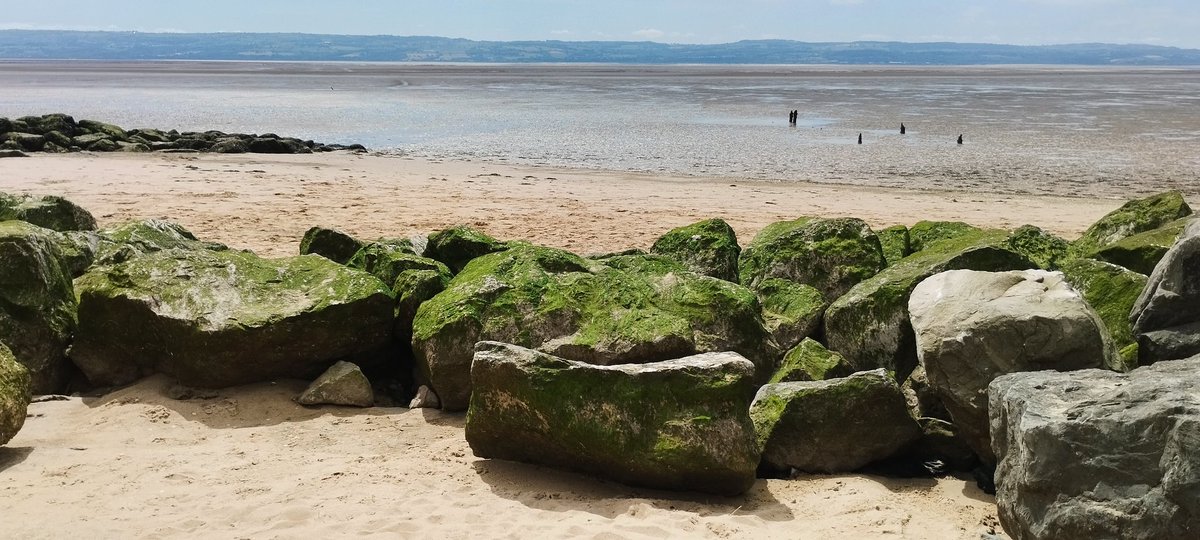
(248,463)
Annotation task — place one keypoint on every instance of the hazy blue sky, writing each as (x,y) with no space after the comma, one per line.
(1162,22)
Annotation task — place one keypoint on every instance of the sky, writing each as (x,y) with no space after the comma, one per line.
(1023,22)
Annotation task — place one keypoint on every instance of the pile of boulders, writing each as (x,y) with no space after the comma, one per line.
(823,346)
(57,133)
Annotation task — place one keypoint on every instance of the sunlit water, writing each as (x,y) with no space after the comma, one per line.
(1071,131)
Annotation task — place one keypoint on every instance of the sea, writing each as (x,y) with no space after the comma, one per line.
(1062,130)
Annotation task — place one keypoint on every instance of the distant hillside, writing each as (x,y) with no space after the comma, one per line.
(52,44)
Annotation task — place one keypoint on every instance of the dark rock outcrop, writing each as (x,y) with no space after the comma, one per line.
(831,255)
(14,395)
(1166,317)
(708,248)
(47,211)
(332,244)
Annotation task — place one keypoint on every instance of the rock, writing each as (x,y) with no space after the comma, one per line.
(811,361)
(193,143)
(1044,249)
(630,310)
(87,140)
(58,138)
(708,248)
(679,424)
(1133,217)
(27,141)
(413,279)
(37,303)
(1142,251)
(869,325)
(837,425)
(1097,454)
(123,146)
(972,327)
(791,311)
(230,146)
(332,244)
(48,211)
(224,318)
(923,233)
(922,397)
(895,243)
(12,153)
(342,384)
(387,258)
(1166,316)
(1111,291)
(457,246)
(14,395)
(109,130)
(831,255)
(104,145)
(425,399)
(136,238)
(149,135)
(261,145)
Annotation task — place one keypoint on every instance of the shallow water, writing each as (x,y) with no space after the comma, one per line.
(1068,131)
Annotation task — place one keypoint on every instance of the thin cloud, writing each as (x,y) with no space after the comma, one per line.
(649,33)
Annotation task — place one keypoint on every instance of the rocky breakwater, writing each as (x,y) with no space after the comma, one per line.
(57,133)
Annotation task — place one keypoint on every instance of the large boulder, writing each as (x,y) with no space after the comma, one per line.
(102,128)
(924,233)
(791,311)
(831,255)
(457,246)
(136,238)
(1133,217)
(679,424)
(52,212)
(1098,454)
(224,318)
(869,324)
(342,384)
(37,302)
(15,394)
(972,327)
(1142,251)
(1044,249)
(837,425)
(630,309)
(811,361)
(1166,316)
(1111,291)
(413,279)
(332,244)
(895,242)
(708,248)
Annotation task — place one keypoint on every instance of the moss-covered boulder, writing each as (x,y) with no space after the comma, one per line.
(708,248)
(811,361)
(1142,251)
(1044,249)
(679,424)
(1138,215)
(48,211)
(457,246)
(15,394)
(1111,291)
(25,141)
(342,384)
(413,279)
(332,244)
(837,425)
(831,255)
(895,242)
(37,302)
(224,318)
(102,128)
(869,325)
(923,233)
(632,309)
(791,311)
(136,238)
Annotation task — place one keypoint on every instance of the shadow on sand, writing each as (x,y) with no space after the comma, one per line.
(10,456)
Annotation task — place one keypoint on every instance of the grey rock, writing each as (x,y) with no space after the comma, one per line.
(48,211)
(425,399)
(837,425)
(1097,454)
(342,384)
(972,327)
(15,395)
(1167,314)
(332,244)
(679,424)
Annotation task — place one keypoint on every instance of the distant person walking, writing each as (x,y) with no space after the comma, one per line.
(860,138)
(902,128)
(960,138)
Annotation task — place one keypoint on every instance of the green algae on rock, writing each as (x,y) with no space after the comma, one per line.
(457,246)
(869,324)
(811,361)
(1111,291)
(37,302)
(895,242)
(837,425)
(48,211)
(679,424)
(332,244)
(923,233)
(831,255)
(708,248)
(1138,215)
(1044,249)
(631,309)
(15,394)
(1142,251)
(135,238)
(791,311)
(223,318)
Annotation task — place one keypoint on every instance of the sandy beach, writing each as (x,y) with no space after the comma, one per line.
(249,463)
